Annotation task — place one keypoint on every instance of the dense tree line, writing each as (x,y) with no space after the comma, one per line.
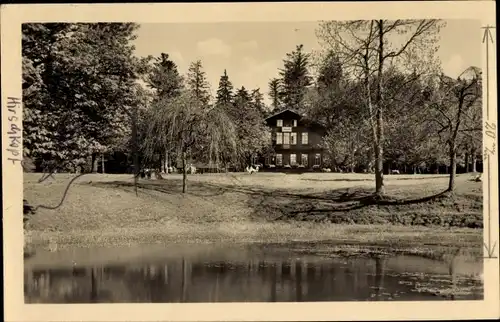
(376,87)
(382,96)
(78,91)
(83,101)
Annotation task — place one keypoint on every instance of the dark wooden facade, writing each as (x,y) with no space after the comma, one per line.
(296,142)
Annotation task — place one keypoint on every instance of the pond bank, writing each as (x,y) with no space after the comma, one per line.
(428,241)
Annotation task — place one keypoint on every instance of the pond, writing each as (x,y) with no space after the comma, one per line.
(244,273)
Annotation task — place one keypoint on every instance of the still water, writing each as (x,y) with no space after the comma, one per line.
(193,273)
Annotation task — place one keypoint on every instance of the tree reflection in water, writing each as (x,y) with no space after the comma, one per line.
(184,280)
(379,276)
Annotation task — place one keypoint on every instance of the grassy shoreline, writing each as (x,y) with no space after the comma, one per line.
(103,210)
(340,239)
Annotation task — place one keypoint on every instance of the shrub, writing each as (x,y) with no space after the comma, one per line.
(28,211)
(28,165)
(470,220)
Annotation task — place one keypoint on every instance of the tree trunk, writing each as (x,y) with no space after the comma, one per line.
(185,280)
(379,162)
(380,267)
(184,172)
(160,162)
(135,148)
(474,162)
(466,162)
(102,163)
(95,163)
(353,162)
(166,161)
(453,169)
(94,291)
(379,150)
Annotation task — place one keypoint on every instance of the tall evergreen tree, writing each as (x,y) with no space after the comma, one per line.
(330,72)
(295,79)
(164,77)
(197,82)
(225,91)
(274,93)
(332,93)
(257,100)
(252,133)
(242,96)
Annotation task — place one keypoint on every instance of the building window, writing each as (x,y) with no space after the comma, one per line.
(279,123)
(279,159)
(294,123)
(305,138)
(293,159)
(279,138)
(286,138)
(317,159)
(293,138)
(304,159)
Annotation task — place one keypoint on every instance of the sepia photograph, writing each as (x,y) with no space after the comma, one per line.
(279,161)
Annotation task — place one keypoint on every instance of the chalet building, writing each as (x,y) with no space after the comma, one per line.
(296,142)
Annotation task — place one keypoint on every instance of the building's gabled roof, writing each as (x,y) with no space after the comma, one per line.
(282,112)
(309,122)
(303,118)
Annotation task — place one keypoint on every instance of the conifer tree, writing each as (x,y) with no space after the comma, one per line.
(225,90)
(295,79)
(197,82)
(274,94)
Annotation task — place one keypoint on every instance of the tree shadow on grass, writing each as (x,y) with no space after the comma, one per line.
(170,186)
(278,204)
(419,178)
(368,179)
(283,206)
(338,180)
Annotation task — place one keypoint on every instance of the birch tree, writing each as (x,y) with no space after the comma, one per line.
(366,48)
(455,105)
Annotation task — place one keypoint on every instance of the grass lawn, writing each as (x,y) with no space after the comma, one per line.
(103,210)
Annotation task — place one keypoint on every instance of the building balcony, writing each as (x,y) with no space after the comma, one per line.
(298,147)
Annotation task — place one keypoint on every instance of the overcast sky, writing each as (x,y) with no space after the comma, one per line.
(252,52)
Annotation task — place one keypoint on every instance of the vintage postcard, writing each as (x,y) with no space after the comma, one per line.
(250,161)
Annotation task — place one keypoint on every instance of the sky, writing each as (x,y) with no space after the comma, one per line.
(252,52)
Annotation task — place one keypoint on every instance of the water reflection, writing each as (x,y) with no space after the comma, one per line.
(184,280)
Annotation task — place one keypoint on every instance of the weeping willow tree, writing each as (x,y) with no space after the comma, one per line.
(187,127)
